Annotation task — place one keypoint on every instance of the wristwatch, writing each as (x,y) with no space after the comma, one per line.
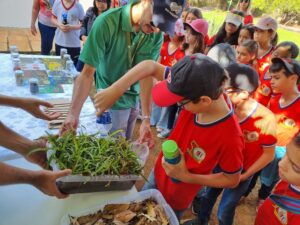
(145,117)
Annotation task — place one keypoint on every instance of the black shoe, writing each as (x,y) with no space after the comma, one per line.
(195,222)
(196,205)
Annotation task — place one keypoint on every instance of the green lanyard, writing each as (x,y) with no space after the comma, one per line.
(130,54)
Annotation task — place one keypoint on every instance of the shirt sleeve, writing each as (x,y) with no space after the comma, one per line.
(81,12)
(54,8)
(93,51)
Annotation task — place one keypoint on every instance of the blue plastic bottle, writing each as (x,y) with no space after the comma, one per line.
(171,154)
(103,122)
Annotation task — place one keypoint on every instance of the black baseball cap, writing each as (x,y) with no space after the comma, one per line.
(166,13)
(190,78)
(291,65)
(242,77)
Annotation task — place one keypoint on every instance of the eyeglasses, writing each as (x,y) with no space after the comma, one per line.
(246,1)
(183,102)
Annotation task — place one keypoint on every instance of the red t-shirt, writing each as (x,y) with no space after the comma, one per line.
(263,62)
(263,93)
(287,118)
(271,213)
(259,130)
(168,59)
(248,19)
(204,147)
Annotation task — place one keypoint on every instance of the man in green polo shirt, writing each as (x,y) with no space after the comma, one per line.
(121,38)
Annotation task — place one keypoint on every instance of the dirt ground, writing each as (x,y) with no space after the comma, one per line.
(245,213)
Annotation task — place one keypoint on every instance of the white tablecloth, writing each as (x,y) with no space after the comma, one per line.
(21,121)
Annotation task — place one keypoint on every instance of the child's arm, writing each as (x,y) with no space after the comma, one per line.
(148,68)
(180,172)
(34,15)
(260,163)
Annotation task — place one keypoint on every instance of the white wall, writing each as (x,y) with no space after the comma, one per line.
(17,13)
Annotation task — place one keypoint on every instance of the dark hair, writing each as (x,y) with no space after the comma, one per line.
(220,36)
(250,29)
(274,39)
(293,48)
(95,9)
(296,139)
(196,11)
(251,46)
(200,46)
(277,66)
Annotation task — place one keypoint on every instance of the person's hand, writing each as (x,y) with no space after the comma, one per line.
(65,28)
(32,106)
(33,29)
(46,182)
(71,123)
(146,135)
(178,171)
(105,98)
(39,157)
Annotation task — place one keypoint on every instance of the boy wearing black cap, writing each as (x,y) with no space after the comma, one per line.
(258,126)
(206,132)
(285,76)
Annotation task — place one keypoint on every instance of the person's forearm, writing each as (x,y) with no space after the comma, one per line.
(11,101)
(217,180)
(14,175)
(261,162)
(145,95)
(76,27)
(81,89)
(11,140)
(145,69)
(35,11)
(55,21)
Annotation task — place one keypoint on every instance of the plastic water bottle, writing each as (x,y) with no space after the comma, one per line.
(103,121)
(171,154)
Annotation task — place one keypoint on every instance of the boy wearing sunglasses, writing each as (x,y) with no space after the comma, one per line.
(206,132)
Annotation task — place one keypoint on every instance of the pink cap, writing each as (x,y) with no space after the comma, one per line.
(267,23)
(199,25)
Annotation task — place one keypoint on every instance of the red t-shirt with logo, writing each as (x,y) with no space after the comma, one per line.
(271,213)
(168,59)
(259,130)
(263,62)
(287,118)
(263,93)
(204,147)
(248,19)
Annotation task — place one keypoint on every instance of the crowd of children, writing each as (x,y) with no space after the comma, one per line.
(262,92)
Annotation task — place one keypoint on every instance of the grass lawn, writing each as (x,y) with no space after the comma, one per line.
(216,19)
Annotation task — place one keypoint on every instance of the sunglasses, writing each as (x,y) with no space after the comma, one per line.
(101,1)
(246,1)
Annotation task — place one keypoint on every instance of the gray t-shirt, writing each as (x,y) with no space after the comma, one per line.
(74,14)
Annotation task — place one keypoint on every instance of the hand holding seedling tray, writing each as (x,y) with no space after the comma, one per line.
(97,164)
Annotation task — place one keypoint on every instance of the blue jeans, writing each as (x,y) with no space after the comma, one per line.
(124,120)
(159,116)
(73,52)
(151,184)
(227,205)
(47,36)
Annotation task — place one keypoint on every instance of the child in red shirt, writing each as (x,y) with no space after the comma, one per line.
(283,205)
(258,126)
(285,75)
(245,7)
(206,132)
(286,49)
